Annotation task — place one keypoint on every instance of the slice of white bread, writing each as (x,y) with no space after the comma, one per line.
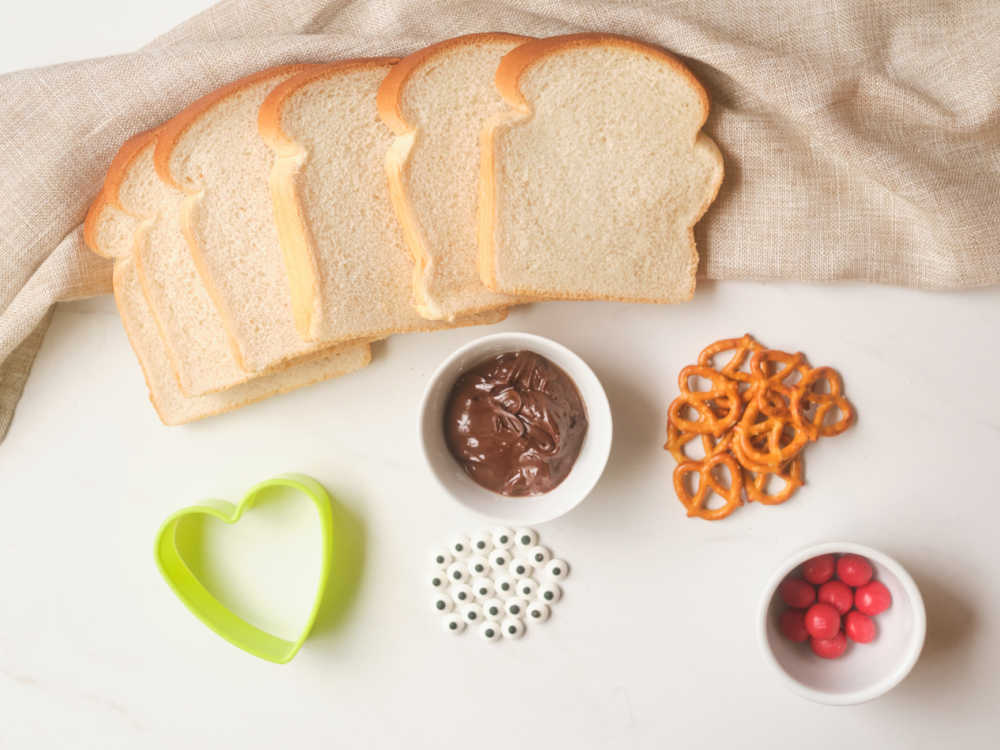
(212,152)
(348,268)
(591,186)
(436,101)
(173,406)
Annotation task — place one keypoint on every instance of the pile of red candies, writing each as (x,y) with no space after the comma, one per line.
(834,600)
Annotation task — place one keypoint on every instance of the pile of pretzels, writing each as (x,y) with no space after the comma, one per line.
(758,412)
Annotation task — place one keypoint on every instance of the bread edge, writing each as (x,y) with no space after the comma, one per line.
(159,408)
(285,148)
(108,194)
(388,102)
(170,134)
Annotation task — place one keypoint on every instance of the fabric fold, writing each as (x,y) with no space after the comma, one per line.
(862,142)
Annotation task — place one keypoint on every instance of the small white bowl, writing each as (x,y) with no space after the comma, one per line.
(866,670)
(456,483)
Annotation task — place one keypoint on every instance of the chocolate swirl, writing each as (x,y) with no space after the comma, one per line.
(515,423)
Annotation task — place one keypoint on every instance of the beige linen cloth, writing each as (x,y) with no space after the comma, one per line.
(862,139)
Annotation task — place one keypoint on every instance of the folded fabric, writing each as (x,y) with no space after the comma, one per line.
(861,141)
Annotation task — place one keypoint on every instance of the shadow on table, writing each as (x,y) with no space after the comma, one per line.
(346,567)
(951,622)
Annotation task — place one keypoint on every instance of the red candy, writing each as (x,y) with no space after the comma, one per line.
(822,621)
(854,570)
(797,593)
(820,569)
(859,627)
(872,598)
(838,594)
(793,626)
(829,648)
(817,614)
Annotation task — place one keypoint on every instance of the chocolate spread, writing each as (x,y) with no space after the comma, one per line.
(515,423)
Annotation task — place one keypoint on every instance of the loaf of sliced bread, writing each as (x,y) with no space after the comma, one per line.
(173,406)
(212,152)
(436,101)
(592,183)
(348,269)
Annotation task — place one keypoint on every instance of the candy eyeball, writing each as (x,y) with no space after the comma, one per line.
(462,594)
(460,546)
(519,569)
(442,603)
(482,588)
(538,612)
(516,607)
(527,588)
(549,593)
(493,609)
(505,585)
(499,560)
(458,573)
(503,537)
(512,628)
(538,555)
(525,538)
(442,558)
(478,565)
(557,569)
(496,582)
(472,613)
(453,623)
(481,543)
(489,631)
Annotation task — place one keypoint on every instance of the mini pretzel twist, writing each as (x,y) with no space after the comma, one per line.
(768,441)
(754,423)
(677,441)
(695,503)
(723,394)
(755,483)
(806,398)
(763,361)
(742,348)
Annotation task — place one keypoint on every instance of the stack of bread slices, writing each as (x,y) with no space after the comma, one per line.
(267,234)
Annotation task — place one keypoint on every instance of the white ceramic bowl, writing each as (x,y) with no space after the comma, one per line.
(865,671)
(457,484)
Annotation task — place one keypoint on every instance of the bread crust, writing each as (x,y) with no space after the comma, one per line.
(389,99)
(170,135)
(301,263)
(161,409)
(389,103)
(173,129)
(293,229)
(108,194)
(512,67)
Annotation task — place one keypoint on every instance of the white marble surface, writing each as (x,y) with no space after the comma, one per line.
(653,644)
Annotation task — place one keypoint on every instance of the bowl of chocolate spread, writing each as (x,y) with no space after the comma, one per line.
(516,427)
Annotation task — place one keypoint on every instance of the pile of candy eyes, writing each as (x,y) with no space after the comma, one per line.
(835,599)
(496,582)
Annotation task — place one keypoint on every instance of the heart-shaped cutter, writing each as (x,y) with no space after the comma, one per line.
(203,604)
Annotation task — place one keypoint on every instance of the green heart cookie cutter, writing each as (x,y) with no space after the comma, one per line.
(210,610)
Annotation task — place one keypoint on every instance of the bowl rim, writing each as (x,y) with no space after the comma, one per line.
(523,340)
(882,686)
